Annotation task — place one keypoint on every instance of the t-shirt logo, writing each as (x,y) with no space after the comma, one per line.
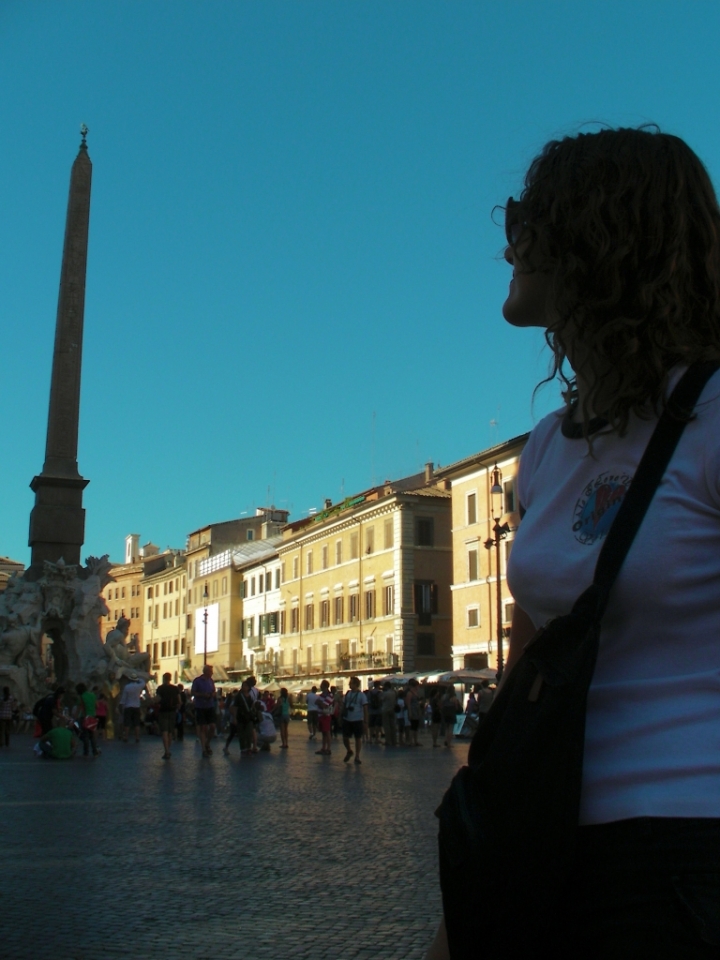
(598,506)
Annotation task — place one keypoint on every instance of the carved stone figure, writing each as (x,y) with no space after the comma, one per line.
(121,662)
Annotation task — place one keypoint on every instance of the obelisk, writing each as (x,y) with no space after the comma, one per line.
(57,522)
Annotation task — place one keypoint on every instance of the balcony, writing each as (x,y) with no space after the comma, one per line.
(356,663)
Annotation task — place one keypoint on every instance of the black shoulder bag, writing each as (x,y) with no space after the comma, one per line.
(514,808)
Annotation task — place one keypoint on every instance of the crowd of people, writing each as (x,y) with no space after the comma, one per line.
(382,714)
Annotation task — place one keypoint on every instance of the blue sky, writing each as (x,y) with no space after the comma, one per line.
(294,280)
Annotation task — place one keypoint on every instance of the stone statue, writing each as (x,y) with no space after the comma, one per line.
(65,603)
(121,663)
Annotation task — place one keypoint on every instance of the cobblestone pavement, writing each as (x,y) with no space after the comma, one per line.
(287,855)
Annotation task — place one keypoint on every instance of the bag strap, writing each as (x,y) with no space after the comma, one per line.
(649,473)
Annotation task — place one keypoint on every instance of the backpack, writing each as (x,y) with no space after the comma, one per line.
(43,709)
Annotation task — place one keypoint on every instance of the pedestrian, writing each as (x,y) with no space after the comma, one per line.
(615,250)
(388,704)
(354,719)
(374,697)
(435,717)
(413,708)
(101,712)
(203,695)
(167,700)
(180,716)
(283,711)
(337,711)
(325,705)
(400,715)
(265,726)
(87,720)
(7,706)
(312,713)
(243,708)
(449,709)
(130,706)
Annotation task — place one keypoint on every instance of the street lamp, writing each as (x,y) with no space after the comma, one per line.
(501,531)
(206,597)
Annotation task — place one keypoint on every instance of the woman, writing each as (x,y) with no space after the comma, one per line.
(615,249)
(325,706)
(283,709)
(354,719)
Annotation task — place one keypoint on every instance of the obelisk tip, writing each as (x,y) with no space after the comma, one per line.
(83,133)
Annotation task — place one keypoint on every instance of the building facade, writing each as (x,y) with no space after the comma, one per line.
(365,585)
(475,575)
(164,590)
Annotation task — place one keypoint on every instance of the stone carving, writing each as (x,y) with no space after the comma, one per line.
(66,604)
(122,663)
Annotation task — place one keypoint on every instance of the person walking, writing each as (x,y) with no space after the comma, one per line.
(413,708)
(354,719)
(7,705)
(449,709)
(283,710)
(180,716)
(101,712)
(312,713)
(387,706)
(87,719)
(203,696)
(325,704)
(130,706)
(167,700)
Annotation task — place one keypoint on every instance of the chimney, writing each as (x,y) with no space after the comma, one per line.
(429,472)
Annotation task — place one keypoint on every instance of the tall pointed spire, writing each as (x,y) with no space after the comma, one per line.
(57,522)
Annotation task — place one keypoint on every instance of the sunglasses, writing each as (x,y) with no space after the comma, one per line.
(514,224)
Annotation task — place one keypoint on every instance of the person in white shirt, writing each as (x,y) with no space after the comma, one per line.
(615,249)
(130,705)
(354,719)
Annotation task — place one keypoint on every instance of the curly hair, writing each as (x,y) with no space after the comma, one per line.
(627,224)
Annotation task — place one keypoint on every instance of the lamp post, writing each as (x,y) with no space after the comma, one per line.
(501,531)
(206,597)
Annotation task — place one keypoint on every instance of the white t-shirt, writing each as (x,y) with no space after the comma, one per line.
(355,703)
(652,743)
(311,704)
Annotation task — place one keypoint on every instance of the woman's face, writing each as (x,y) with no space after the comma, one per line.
(528,299)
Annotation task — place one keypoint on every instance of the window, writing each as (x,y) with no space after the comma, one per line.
(508,548)
(294,620)
(389,534)
(170,587)
(353,546)
(426,644)
(324,613)
(296,568)
(282,572)
(122,593)
(251,534)
(177,606)
(472,564)
(424,532)
(473,617)
(389,600)
(277,578)
(338,553)
(150,614)
(472,508)
(252,586)
(243,588)
(369,604)
(325,557)
(175,648)
(282,626)
(509,495)
(164,590)
(164,652)
(354,604)
(309,562)
(508,611)
(149,593)
(215,588)
(273,622)
(224,585)
(182,646)
(309,616)
(338,609)
(426,601)
(164,611)
(260,583)
(370,540)
(155,653)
